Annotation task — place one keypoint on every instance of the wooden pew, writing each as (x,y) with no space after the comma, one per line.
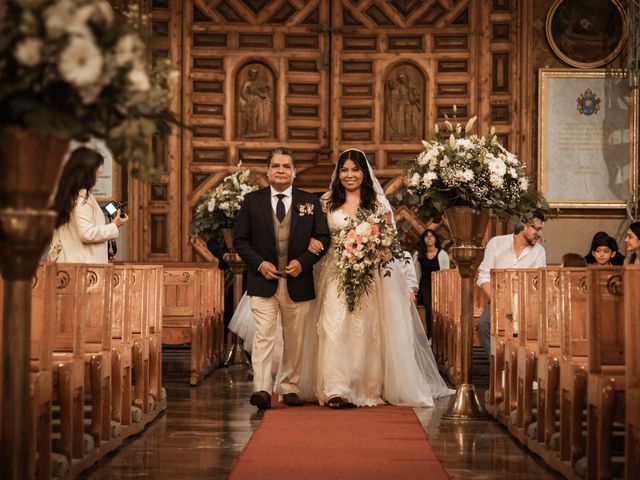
(548,372)
(220,327)
(573,365)
(121,365)
(511,328)
(606,368)
(97,347)
(147,337)
(139,304)
(632,361)
(185,313)
(156,292)
(500,305)
(528,347)
(68,357)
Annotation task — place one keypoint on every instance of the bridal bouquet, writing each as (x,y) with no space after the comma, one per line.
(365,245)
(460,169)
(219,206)
(76,69)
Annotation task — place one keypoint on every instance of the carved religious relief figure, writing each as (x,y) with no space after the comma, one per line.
(255,102)
(403,105)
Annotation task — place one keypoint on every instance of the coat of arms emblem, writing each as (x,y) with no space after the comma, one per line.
(588,103)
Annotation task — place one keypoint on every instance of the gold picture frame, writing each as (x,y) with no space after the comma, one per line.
(587,138)
(586,34)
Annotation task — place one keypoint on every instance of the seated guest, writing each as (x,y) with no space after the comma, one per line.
(428,258)
(607,249)
(518,250)
(573,260)
(632,241)
(81,233)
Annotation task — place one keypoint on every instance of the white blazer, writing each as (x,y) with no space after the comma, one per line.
(83,239)
(443,262)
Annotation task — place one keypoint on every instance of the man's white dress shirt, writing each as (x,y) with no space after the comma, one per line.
(286,199)
(499,253)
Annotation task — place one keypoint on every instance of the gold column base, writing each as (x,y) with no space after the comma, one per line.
(236,354)
(465,406)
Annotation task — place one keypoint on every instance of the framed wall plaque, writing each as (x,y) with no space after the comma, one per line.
(587,138)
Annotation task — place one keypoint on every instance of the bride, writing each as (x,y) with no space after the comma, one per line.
(379,352)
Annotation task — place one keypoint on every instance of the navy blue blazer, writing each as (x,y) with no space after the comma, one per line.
(255,241)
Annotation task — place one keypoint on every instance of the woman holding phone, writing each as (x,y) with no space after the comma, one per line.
(81,233)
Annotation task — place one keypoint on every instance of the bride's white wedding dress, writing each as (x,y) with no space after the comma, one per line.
(377,353)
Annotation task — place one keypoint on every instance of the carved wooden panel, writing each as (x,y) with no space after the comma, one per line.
(321,76)
(254,77)
(155,227)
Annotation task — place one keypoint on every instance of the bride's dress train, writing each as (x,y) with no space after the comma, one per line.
(377,353)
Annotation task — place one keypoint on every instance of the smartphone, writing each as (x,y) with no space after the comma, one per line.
(111,208)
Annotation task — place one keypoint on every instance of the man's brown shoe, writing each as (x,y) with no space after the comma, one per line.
(292,400)
(260,399)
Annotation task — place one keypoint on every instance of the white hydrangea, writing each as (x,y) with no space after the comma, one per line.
(29,52)
(423,158)
(496,180)
(496,166)
(139,80)
(523,183)
(80,62)
(465,175)
(428,178)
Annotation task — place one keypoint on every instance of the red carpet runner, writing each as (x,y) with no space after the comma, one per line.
(319,443)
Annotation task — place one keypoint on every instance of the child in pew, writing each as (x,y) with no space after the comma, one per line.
(604,251)
(81,233)
(573,260)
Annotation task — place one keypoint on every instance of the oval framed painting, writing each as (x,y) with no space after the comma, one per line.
(586,34)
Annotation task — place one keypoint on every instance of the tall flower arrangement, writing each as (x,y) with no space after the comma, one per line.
(76,69)
(218,208)
(458,168)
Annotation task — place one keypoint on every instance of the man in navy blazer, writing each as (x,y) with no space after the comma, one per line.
(272,234)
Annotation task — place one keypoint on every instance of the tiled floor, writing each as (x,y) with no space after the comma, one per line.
(205,428)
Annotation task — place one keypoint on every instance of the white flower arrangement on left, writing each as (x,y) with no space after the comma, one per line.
(76,69)
(218,208)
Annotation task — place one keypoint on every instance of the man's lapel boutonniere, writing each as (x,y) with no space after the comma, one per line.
(305,209)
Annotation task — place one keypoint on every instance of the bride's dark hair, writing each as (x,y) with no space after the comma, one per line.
(367,193)
(79,174)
